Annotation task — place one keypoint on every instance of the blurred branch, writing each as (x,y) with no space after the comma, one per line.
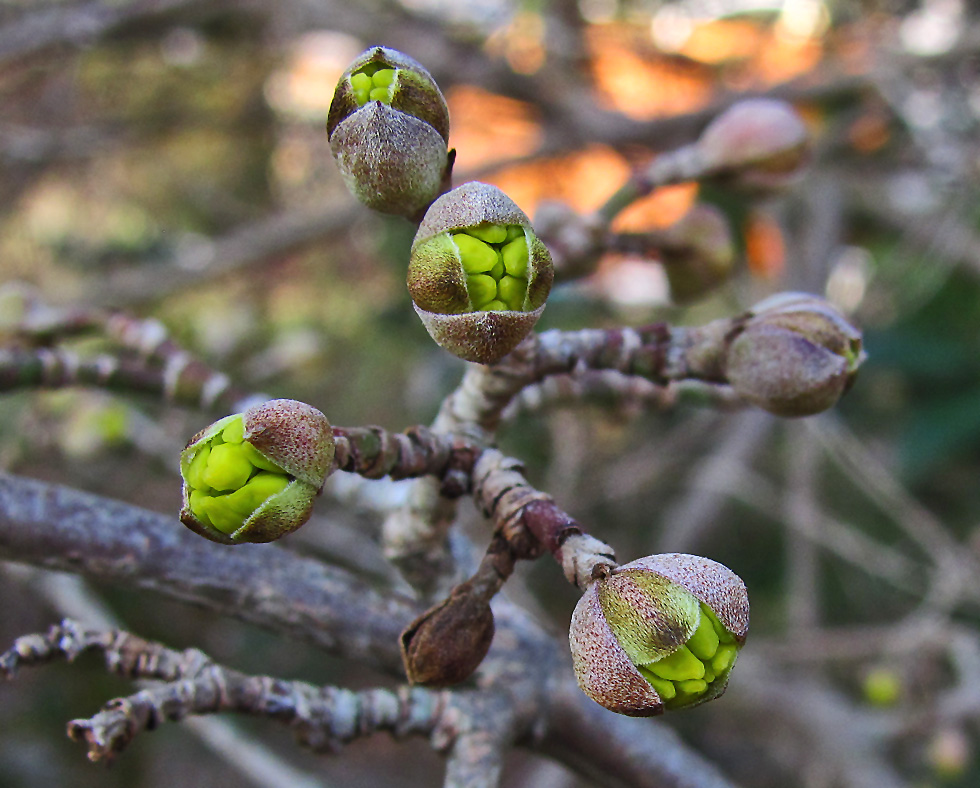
(204,260)
(76,25)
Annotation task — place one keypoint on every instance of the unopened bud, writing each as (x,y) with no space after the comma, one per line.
(659,633)
(478,275)
(388,127)
(698,253)
(253,476)
(446,644)
(795,356)
(760,143)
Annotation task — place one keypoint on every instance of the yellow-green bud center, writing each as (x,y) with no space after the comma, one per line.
(373,82)
(495,260)
(228,479)
(684,675)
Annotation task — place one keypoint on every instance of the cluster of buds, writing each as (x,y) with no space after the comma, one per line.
(659,633)
(388,127)
(478,274)
(795,355)
(253,476)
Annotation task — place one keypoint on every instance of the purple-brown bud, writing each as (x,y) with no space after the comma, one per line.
(388,127)
(659,633)
(698,253)
(447,643)
(795,356)
(253,476)
(478,275)
(761,143)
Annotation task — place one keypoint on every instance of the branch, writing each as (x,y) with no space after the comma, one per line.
(323,718)
(60,528)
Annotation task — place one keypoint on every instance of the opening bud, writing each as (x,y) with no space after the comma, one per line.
(795,356)
(478,275)
(253,476)
(659,633)
(388,127)
(762,143)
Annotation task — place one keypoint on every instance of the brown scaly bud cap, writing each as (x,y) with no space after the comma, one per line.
(388,127)
(795,356)
(762,142)
(446,644)
(253,476)
(478,275)
(659,633)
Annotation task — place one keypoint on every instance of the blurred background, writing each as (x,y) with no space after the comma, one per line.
(169,159)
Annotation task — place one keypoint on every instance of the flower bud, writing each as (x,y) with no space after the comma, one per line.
(698,253)
(659,633)
(478,275)
(388,127)
(761,142)
(795,356)
(252,476)
(446,644)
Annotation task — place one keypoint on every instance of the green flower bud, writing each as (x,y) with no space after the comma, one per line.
(795,356)
(659,633)
(252,476)
(761,143)
(478,275)
(388,127)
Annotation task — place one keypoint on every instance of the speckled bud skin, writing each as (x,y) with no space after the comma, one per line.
(294,436)
(392,154)
(766,138)
(795,357)
(603,662)
(435,278)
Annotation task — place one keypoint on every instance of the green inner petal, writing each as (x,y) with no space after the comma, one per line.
(228,479)
(496,262)
(373,82)
(685,675)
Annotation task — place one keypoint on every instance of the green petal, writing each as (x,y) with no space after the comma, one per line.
(234,432)
(495,306)
(475,255)
(228,467)
(704,642)
(665,689)
(515,257)
(361,82)
(383,77)
(194,475)
(724,658)
(482,289)
(489,233)
(679,666)
(512,292)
